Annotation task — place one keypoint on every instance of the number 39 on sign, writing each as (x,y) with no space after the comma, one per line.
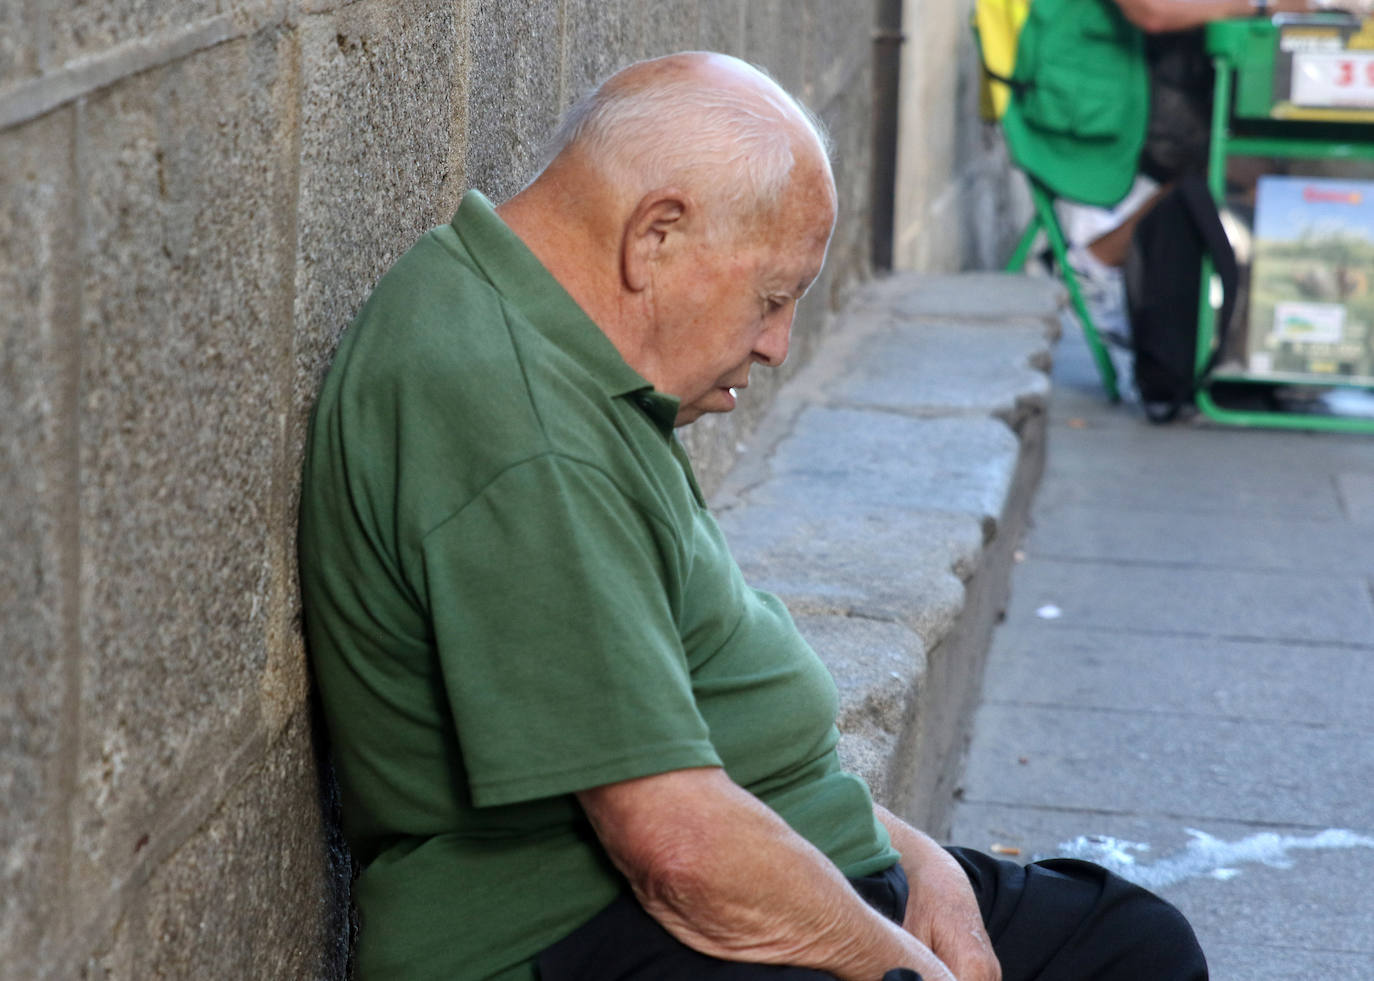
(1333,78)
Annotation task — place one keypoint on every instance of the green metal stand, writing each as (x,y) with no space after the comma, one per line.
(1246,49)
(1045,220)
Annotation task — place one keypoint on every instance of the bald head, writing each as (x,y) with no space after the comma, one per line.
(707,123)
(687,206)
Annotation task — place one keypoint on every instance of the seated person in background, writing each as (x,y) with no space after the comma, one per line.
(1177,138)
(572,743)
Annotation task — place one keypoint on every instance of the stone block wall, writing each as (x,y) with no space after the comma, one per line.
(195,197)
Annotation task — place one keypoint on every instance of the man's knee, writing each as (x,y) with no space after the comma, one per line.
(1128,932)
(1065,920)
(1165,945)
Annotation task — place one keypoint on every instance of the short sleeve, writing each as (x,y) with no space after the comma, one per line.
(552,599)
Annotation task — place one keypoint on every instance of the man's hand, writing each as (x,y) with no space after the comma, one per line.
(942,911)
(726,876)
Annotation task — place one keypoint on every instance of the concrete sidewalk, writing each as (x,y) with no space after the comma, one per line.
(1183,686)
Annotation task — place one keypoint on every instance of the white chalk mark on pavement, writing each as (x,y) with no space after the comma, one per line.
(1204,855)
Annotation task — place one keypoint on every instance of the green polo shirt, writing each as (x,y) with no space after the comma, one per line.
(513,591)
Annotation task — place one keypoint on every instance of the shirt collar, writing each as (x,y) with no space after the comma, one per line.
(524,283)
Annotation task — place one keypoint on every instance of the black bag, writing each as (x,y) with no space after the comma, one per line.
(1163,284)
(1179,131)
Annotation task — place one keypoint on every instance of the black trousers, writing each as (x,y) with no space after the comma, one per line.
(1058,920)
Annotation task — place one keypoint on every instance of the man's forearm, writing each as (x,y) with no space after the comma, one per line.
(916,847)
(728,877)
(1160,16)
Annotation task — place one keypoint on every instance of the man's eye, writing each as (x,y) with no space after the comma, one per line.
(774,303)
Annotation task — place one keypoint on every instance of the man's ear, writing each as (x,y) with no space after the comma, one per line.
(650,232)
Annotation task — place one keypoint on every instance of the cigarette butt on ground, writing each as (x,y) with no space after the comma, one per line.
(1005,850)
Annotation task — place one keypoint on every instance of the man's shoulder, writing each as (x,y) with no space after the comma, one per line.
(431,285)
(446,377)
(429,354)
(432,315)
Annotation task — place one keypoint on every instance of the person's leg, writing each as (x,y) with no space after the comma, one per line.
(1111,247)
(1098,241)
(1066,920)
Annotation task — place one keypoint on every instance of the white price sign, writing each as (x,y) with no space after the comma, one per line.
(1333,78)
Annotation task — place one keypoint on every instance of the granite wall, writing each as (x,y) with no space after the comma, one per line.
(195,196)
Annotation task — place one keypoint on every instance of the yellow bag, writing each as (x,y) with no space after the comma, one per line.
(997,24)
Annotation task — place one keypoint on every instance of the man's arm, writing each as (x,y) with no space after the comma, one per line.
(942,911)
(726,876)
(1159,16)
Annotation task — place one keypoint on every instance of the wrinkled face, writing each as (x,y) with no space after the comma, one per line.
(730,302)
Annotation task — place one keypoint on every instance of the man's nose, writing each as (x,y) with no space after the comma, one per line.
(771,348)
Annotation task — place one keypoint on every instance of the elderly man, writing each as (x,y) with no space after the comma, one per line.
(572,742)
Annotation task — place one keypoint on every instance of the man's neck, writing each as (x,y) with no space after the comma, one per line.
(579,253)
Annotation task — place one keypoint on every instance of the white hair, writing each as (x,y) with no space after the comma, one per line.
(739,143)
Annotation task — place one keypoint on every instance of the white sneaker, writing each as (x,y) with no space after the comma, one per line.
(1104,291)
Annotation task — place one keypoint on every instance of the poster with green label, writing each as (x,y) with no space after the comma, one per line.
(1312,280)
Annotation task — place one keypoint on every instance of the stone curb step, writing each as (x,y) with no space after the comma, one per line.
(881,498)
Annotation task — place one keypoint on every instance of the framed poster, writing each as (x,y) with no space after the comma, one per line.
(1312,281)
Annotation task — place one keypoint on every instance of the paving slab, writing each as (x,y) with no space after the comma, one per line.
(1309,899)
(1031,833)
(1241,962)
(1078,393)
(1188,647)
(1047,664)
(1202,602)
(1167,851)
(1218,539)
(1356,492)
(1326,903)
(1141,468)
(1152,762)
(1223,457)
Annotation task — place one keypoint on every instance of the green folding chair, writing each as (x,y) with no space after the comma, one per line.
(1074,111)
